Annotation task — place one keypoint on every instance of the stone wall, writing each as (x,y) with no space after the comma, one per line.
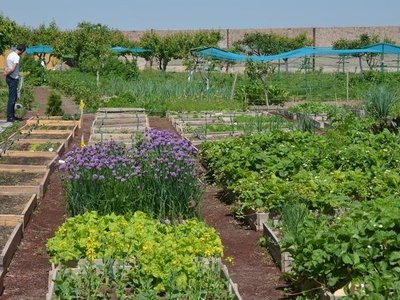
(324,36)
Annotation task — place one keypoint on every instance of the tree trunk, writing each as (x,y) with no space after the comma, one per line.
(286,65)
(98,78)
(360,61)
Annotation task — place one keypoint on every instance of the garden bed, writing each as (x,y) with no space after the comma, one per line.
(33,182)
(19,207)
(33,145)
(28,158)
(50,295)
(256,219)
(10,237)
(282,259)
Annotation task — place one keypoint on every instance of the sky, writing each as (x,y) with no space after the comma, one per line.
(131,15)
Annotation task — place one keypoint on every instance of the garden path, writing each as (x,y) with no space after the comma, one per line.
(27,277)
(253,268)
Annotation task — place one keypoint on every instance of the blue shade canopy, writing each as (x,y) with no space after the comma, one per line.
(119,49)
(219,54)
(123,50)
(39,49)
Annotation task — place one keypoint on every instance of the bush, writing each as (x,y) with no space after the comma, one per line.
(54,105)
(127,70)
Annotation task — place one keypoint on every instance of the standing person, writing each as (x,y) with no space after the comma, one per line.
(12,77)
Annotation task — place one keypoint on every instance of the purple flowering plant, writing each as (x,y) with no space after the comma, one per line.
(157,175)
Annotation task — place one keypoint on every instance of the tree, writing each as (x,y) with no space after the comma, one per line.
(176,45)
(363,40)
(270,43)
(7,31)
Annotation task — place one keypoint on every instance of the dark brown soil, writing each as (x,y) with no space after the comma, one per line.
(35,147)
(41,95)
(5,232)
(253,268)
(28,273)
(24,160)
(55,127)
(13,205)
(21,178)
(44,136)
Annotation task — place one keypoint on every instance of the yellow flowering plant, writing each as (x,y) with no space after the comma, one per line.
(159,248)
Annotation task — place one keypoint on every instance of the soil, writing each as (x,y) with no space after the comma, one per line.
(45,136)
(36,146)
(253,269)
(55,127)
(13,205)
(24,160)
(22,178)
(41,96)
(5,232)
(27,276)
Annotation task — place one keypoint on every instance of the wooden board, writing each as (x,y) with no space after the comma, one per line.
(27,189)
(52,122)
(11,246)
(282,259)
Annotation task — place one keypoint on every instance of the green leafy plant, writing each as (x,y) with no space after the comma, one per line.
(380,101)
(54,105)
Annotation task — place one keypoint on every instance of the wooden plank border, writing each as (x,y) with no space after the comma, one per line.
(11,246)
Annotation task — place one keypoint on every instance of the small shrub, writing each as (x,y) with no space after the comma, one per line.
(54,105)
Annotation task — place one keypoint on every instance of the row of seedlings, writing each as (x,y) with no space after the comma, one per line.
(119,125)
(26,160)
(133,228)
(214,126)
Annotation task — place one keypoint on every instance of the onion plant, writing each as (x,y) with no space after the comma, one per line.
(158,176)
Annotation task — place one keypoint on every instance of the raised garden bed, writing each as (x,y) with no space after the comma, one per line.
(21,181)
(28,158)
(32,145)
(282,259)
(40,122)
(50,295)
(256,219)
(10,237)
(17,207)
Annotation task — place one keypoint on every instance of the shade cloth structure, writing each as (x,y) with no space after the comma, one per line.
(220,54)
(124,50)
(39,49)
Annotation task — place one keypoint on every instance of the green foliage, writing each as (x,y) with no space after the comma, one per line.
(123,279)
(257,89)
(113,67)
(324,172)
(26,96)
(33,71)
(271,43)
(380,101)
(160,249)
(360,247)
(176,45)
(7,32)
(54,105)
(79,85)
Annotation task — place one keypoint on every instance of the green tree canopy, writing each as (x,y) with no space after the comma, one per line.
(8,29)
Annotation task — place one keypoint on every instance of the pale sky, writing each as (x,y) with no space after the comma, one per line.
(204,14)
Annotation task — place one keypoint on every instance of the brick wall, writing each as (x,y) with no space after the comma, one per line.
(324,36)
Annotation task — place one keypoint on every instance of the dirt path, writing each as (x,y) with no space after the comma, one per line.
(253,269)
(27,277)
(41,95)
